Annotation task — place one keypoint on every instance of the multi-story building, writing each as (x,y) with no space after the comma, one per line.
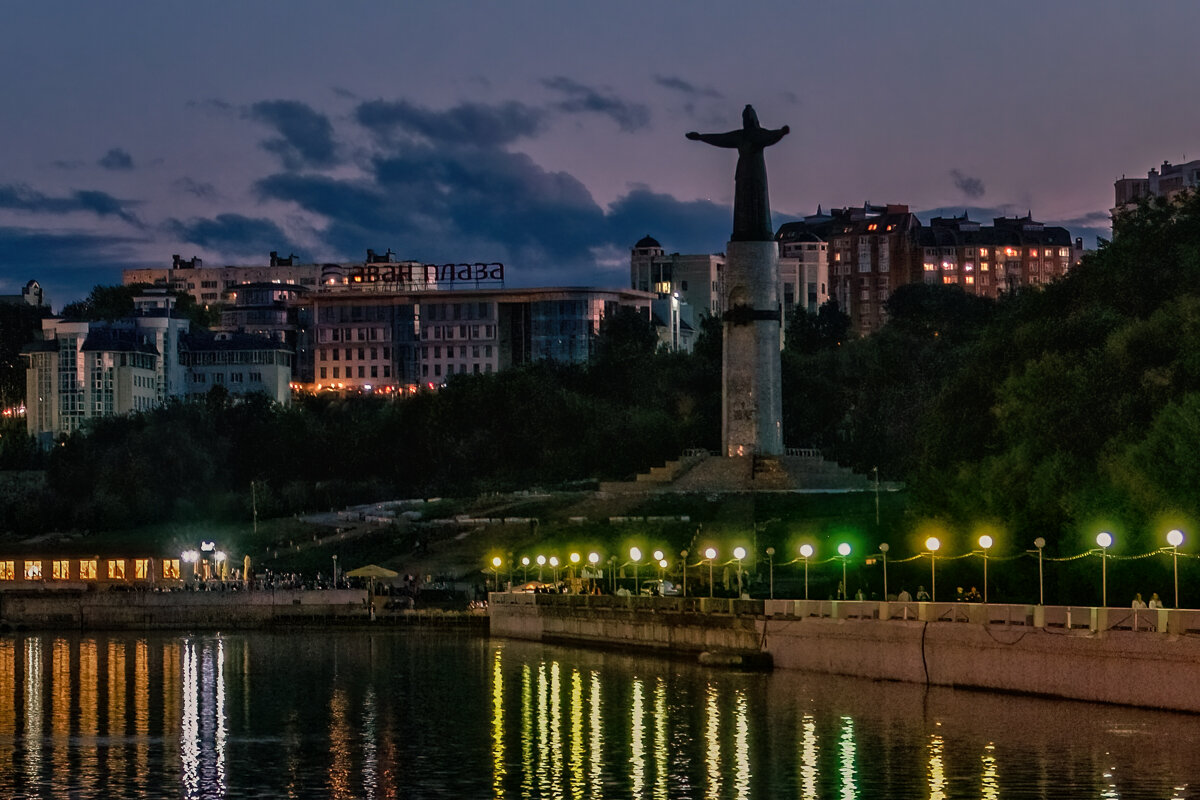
(871,252)
(398,340)
(83,370)
(207,284)
(1014,252)
(274,311)
(696,280)
(1167,182)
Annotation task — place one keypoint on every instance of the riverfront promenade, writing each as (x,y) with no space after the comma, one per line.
(1141,657)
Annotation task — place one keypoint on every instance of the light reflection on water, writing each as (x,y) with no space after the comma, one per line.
(359,715)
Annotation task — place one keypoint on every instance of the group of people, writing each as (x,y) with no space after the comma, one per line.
(1155,602)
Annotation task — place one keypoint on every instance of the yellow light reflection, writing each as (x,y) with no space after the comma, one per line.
(712,738)
(8,672)
(33,709)
(937,770)
(543,730)
(172,685)
(575,765)
(637,754)
(660,739)
(847,750)
(990,780)
(597,738)
(370,769)
(141,714)
(526,730)
(89,684)
(498,770)
(741,745)
(556,759)
(339,747)
(116,714)
(60,715)
(810,752)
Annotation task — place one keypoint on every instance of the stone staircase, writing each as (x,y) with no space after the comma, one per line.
(697,471)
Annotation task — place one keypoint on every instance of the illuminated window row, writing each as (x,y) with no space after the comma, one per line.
(89,569)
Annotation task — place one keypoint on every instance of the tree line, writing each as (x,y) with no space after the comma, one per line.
(1051,412)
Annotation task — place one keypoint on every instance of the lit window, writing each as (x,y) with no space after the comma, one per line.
(983,251)
(930,267)
(983,266)
(170,568)
(116,569)
(60,570)
(7,570)
(1010,251)
(141,569)
(873,226)
(87,570)
(969,279)
(33,570)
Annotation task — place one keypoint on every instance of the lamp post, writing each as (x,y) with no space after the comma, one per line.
(593,559)
(1105,540)
(739,553)
(883,548)
(635,555)
(541,562)
(554,566)
(612,572)
(574,558)
(806,551)
(683,554)
(985,544)
(1175,538)
(657,555)
(710,554)
(510,569)
(771,570)
(844,552)
(496,564)
(932,544)
(525,566)
(1040,544)
(335,571)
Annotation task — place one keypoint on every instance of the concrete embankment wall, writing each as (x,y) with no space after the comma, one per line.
(1101,655)
(115,610)
(664,624)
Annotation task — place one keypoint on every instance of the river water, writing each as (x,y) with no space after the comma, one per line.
(417,715)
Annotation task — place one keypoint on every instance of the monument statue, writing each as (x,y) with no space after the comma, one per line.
(751,206)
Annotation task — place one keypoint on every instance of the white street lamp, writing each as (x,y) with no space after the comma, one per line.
(739,553)
(806,551)
(771,570)
(932,544)
(883,548)
(1175,538)
(635,555)
(683,554)
(844,552)
(1105,540)
(710,554)
(985,542)
(1040,544)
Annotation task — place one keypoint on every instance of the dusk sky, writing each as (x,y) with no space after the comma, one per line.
(550,136)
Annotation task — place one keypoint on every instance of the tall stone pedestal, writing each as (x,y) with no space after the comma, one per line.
(751,399)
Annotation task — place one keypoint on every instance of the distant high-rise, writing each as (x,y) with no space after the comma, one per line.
(1167,182)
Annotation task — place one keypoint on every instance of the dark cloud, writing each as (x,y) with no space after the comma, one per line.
(628,115)
(306,136)
(116,159)
(200,189)
(230,233)
(211,104)
(680,85)
(971,187)
(18,197)
(693,225)
(468,123)
(67,264)
(344,93)
(66,164)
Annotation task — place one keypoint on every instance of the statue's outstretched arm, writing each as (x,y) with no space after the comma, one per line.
(731,139)
(774,136)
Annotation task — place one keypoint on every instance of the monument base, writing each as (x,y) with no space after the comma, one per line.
(751,397)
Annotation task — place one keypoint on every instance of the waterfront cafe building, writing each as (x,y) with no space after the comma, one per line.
(81,572)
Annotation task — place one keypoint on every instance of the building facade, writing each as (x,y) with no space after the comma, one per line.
(388,341)
(696,280)
(80,371)
(1167,182)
